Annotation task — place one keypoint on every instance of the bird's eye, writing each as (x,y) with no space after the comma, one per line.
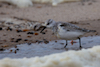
(48,23)
(61,25)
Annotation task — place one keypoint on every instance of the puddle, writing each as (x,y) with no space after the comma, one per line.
(41,49)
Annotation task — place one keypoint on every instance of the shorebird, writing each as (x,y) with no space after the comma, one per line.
(66,31)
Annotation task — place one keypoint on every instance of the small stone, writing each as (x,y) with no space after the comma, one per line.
(9,23)
(29,43)
(89,3)
(45,41)
(43,32)
(15,46)
(18,40)
(4,34)
(5,40)
(52,33)
(46,30)
(25,30)
(2,13)
(26,40)
(1,49)
(62,43)
(39,6)
(12,38)
(36,33)
(0,5)
(37,41)
(1,43)
(0,28)
(11,50)
(98,19)
(18,31)
(5,46)
(9,29)
(11,41)
(96,34)
(19,35)
(30,33)
(17,49)
(29,36)
(56,41)
(40,41)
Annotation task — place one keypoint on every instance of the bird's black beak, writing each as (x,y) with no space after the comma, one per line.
(44,27)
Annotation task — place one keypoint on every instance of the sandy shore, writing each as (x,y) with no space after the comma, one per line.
(85,16)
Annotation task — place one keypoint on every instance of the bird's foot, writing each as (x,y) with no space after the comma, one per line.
(65,46)
(80,47)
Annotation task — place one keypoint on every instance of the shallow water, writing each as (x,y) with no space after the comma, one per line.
(41,49)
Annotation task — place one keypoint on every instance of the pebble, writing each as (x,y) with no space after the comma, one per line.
(26,40)
(40,41)
(15,46)
(12,41)
(1,43)
(43,32)
(11,50)
(56,41)
(1,49)
(36,40)
(25,30)
(0,28)
(36,34)
(9,29)
(45,41)
(19,35)
(29,36)
(17,49)
(0,5)
(18,40)
(29,43)
(62,43)
(5,40)
(4,34)
(9,23)
(30,33)
(12,38)
(5,46)
(46,30)
(18,31)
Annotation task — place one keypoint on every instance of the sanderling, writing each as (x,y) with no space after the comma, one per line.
(66,31)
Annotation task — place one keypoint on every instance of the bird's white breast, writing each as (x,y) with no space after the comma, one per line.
(69,35)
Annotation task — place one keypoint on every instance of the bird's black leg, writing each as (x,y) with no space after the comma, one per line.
(66,44)
(80,43)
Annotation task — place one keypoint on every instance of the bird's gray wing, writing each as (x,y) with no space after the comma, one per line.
(72,27)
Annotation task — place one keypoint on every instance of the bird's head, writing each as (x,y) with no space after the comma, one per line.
(49,23)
